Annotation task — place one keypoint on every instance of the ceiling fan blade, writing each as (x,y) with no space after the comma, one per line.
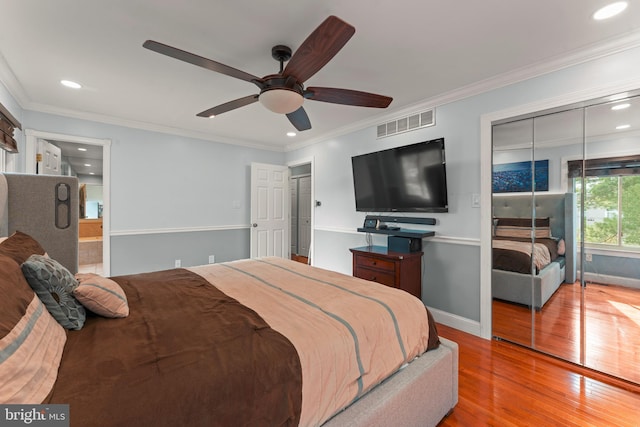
(228,106)
(300,119)
(201,62)
(347,97)
(318,49)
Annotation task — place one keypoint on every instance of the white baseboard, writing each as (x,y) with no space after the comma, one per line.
(629,282)
(458,322)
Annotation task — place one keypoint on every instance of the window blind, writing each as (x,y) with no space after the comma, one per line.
(609,166)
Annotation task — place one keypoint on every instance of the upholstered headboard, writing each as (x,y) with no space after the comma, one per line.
(561,210)
(46,208)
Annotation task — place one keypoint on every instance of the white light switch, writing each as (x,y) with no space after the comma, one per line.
(475,200)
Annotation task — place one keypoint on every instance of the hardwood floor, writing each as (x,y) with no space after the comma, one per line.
(503,384)
(300,258)
(611,327)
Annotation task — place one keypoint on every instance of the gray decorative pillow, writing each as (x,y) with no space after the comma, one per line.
(54,285)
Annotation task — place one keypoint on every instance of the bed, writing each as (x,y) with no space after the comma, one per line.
(511,281)
(250,342)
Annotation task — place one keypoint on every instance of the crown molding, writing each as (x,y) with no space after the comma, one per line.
(119,121)
(11,82)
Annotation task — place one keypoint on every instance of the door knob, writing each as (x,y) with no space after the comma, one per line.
(255,224)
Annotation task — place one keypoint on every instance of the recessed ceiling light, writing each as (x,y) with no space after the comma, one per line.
(91,173)
(291,134)
(610,10)
(69,83)
(82,149)
(87,165)
(212,116)
(623,127)
(620,106)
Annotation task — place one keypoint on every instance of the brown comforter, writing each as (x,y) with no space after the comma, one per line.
(187,355)
(518,261)
(207,347)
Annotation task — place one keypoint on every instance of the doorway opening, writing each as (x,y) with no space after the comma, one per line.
(88,159)
(301,189)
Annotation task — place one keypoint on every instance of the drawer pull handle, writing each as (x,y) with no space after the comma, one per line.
(373,263)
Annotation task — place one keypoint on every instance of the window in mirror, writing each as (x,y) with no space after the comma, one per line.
(612,210)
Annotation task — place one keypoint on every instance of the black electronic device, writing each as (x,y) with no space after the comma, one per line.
(371,223)
(404,244)
(411,178)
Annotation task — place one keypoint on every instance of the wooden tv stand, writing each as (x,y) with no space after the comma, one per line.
(396,269)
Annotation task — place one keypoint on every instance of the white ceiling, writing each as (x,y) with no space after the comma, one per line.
(415,51)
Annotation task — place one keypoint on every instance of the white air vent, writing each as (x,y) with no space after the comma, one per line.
(405,124)
(392,127)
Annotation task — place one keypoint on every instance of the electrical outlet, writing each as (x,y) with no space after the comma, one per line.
(212,259)
(178,263)
(588,257)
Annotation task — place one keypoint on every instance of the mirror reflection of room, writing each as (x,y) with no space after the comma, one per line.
(580,302)
(90,228)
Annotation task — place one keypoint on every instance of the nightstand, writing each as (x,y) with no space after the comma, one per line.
(395,269)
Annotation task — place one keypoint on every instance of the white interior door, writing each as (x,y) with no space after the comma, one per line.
(269,210)
(49,158)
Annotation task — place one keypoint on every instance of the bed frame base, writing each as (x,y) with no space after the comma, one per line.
(522,289)
(420,395)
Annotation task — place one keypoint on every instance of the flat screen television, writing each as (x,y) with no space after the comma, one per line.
(411,178)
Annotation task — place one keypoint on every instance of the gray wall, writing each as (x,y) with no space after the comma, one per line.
(618,270)
(159,251)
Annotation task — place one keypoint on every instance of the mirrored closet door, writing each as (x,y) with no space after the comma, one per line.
(512,278)
(566,188)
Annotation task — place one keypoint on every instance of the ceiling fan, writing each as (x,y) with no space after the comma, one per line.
(284,92)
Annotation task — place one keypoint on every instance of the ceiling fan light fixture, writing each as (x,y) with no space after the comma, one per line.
(281,101)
